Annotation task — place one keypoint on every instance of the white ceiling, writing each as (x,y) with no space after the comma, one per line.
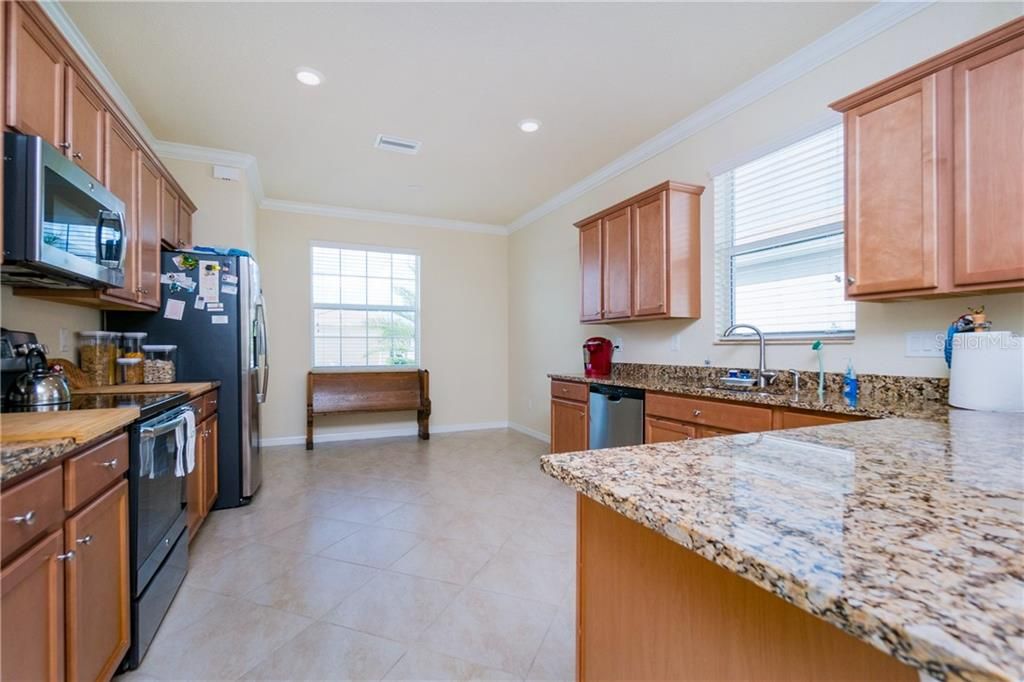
(458,77)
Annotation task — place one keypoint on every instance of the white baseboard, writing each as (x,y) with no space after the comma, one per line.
(530,432)
(379,433)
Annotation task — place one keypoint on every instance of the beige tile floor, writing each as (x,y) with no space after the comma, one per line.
(451,559)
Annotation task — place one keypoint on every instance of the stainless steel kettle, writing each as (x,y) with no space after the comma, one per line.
(39,388)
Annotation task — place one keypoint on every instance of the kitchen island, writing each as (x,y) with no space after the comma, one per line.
(870,550)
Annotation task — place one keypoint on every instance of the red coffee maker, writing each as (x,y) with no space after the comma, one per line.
(597,357)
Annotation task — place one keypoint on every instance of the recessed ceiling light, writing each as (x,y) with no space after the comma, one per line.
(308,76)
(529,125)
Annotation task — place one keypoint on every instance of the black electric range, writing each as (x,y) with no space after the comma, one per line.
(149,404)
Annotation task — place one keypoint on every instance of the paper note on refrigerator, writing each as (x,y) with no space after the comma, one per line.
(175,309)
(209,280)
(229,279)
(229,289)
(200,303)
(219,319)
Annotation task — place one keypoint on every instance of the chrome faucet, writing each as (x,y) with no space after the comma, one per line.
(764,377)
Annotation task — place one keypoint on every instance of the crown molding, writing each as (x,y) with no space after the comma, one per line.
(846,36)
(380,216)
(220,157)
(843,38)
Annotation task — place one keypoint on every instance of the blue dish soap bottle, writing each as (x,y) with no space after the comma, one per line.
(850,384)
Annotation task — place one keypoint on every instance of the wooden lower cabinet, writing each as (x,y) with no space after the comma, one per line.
(210,463)
(32,613)
(657,430)
(64,593)
(201,483)
(649,609)
(97,599)
(569,425)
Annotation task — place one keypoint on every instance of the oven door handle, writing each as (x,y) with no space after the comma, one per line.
(164,427)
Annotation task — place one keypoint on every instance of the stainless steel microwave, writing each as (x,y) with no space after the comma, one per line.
(62,228)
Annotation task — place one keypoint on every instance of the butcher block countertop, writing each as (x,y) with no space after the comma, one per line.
(193,389)
(904,533)
(31,439)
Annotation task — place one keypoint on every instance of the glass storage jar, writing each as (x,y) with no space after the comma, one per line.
(130,371)
(159,365)
(131,344)
(97,356)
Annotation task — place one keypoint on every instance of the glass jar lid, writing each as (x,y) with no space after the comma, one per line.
(159,348)
(129,361)
(134,335)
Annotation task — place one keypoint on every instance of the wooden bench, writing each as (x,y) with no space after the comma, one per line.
(390,391)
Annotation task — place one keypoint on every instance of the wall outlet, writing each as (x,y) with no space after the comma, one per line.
(65,340)
(924,344)
(673,344)
(617,342)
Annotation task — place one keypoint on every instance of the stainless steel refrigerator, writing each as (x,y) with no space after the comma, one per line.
(212,309)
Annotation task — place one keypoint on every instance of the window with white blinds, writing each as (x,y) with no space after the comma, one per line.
(365,306)
(779,241)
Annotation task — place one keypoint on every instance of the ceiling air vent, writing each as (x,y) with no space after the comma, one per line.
(397,144)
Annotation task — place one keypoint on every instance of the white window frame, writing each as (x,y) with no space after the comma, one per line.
(351,306)
(722,273)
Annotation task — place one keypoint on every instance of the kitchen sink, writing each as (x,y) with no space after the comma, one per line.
(742,390)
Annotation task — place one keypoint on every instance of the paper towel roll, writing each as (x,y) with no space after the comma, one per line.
(987,372)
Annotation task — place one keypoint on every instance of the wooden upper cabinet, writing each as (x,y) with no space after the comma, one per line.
(988,116)
(590,271)
(168,215)
(97,600)
(894,147)
(85,121)
(184,225)
(935,174)
(35,78)
(32,612)
(616,275)
(647,251)
(149,231)
(121,177)
(650,256)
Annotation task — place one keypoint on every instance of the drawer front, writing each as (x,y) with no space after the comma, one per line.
(795,420)
(569,390)
(31,508)
(198,406)
(210,403)
(708,413)
(87,474)
(657,430)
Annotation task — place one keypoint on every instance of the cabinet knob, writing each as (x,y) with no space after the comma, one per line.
(28,518)
(65,145)
(87,540)
(112,464)
(67,556)
(77,155)
(696,413)
(850,279)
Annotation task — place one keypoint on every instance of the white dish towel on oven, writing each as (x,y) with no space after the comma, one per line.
(185,439)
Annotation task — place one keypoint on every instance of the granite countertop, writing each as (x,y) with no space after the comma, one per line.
(19,458)
(904,533)
(874,404)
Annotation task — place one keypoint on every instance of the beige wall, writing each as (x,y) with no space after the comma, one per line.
(544,285)
(464,311)
(46,320)
(225,214)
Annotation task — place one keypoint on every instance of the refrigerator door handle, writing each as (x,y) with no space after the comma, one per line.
(261,321)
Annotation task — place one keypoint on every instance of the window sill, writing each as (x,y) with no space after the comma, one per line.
(785,340)
(363,368)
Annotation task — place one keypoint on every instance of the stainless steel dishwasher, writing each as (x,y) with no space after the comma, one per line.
(616,416)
